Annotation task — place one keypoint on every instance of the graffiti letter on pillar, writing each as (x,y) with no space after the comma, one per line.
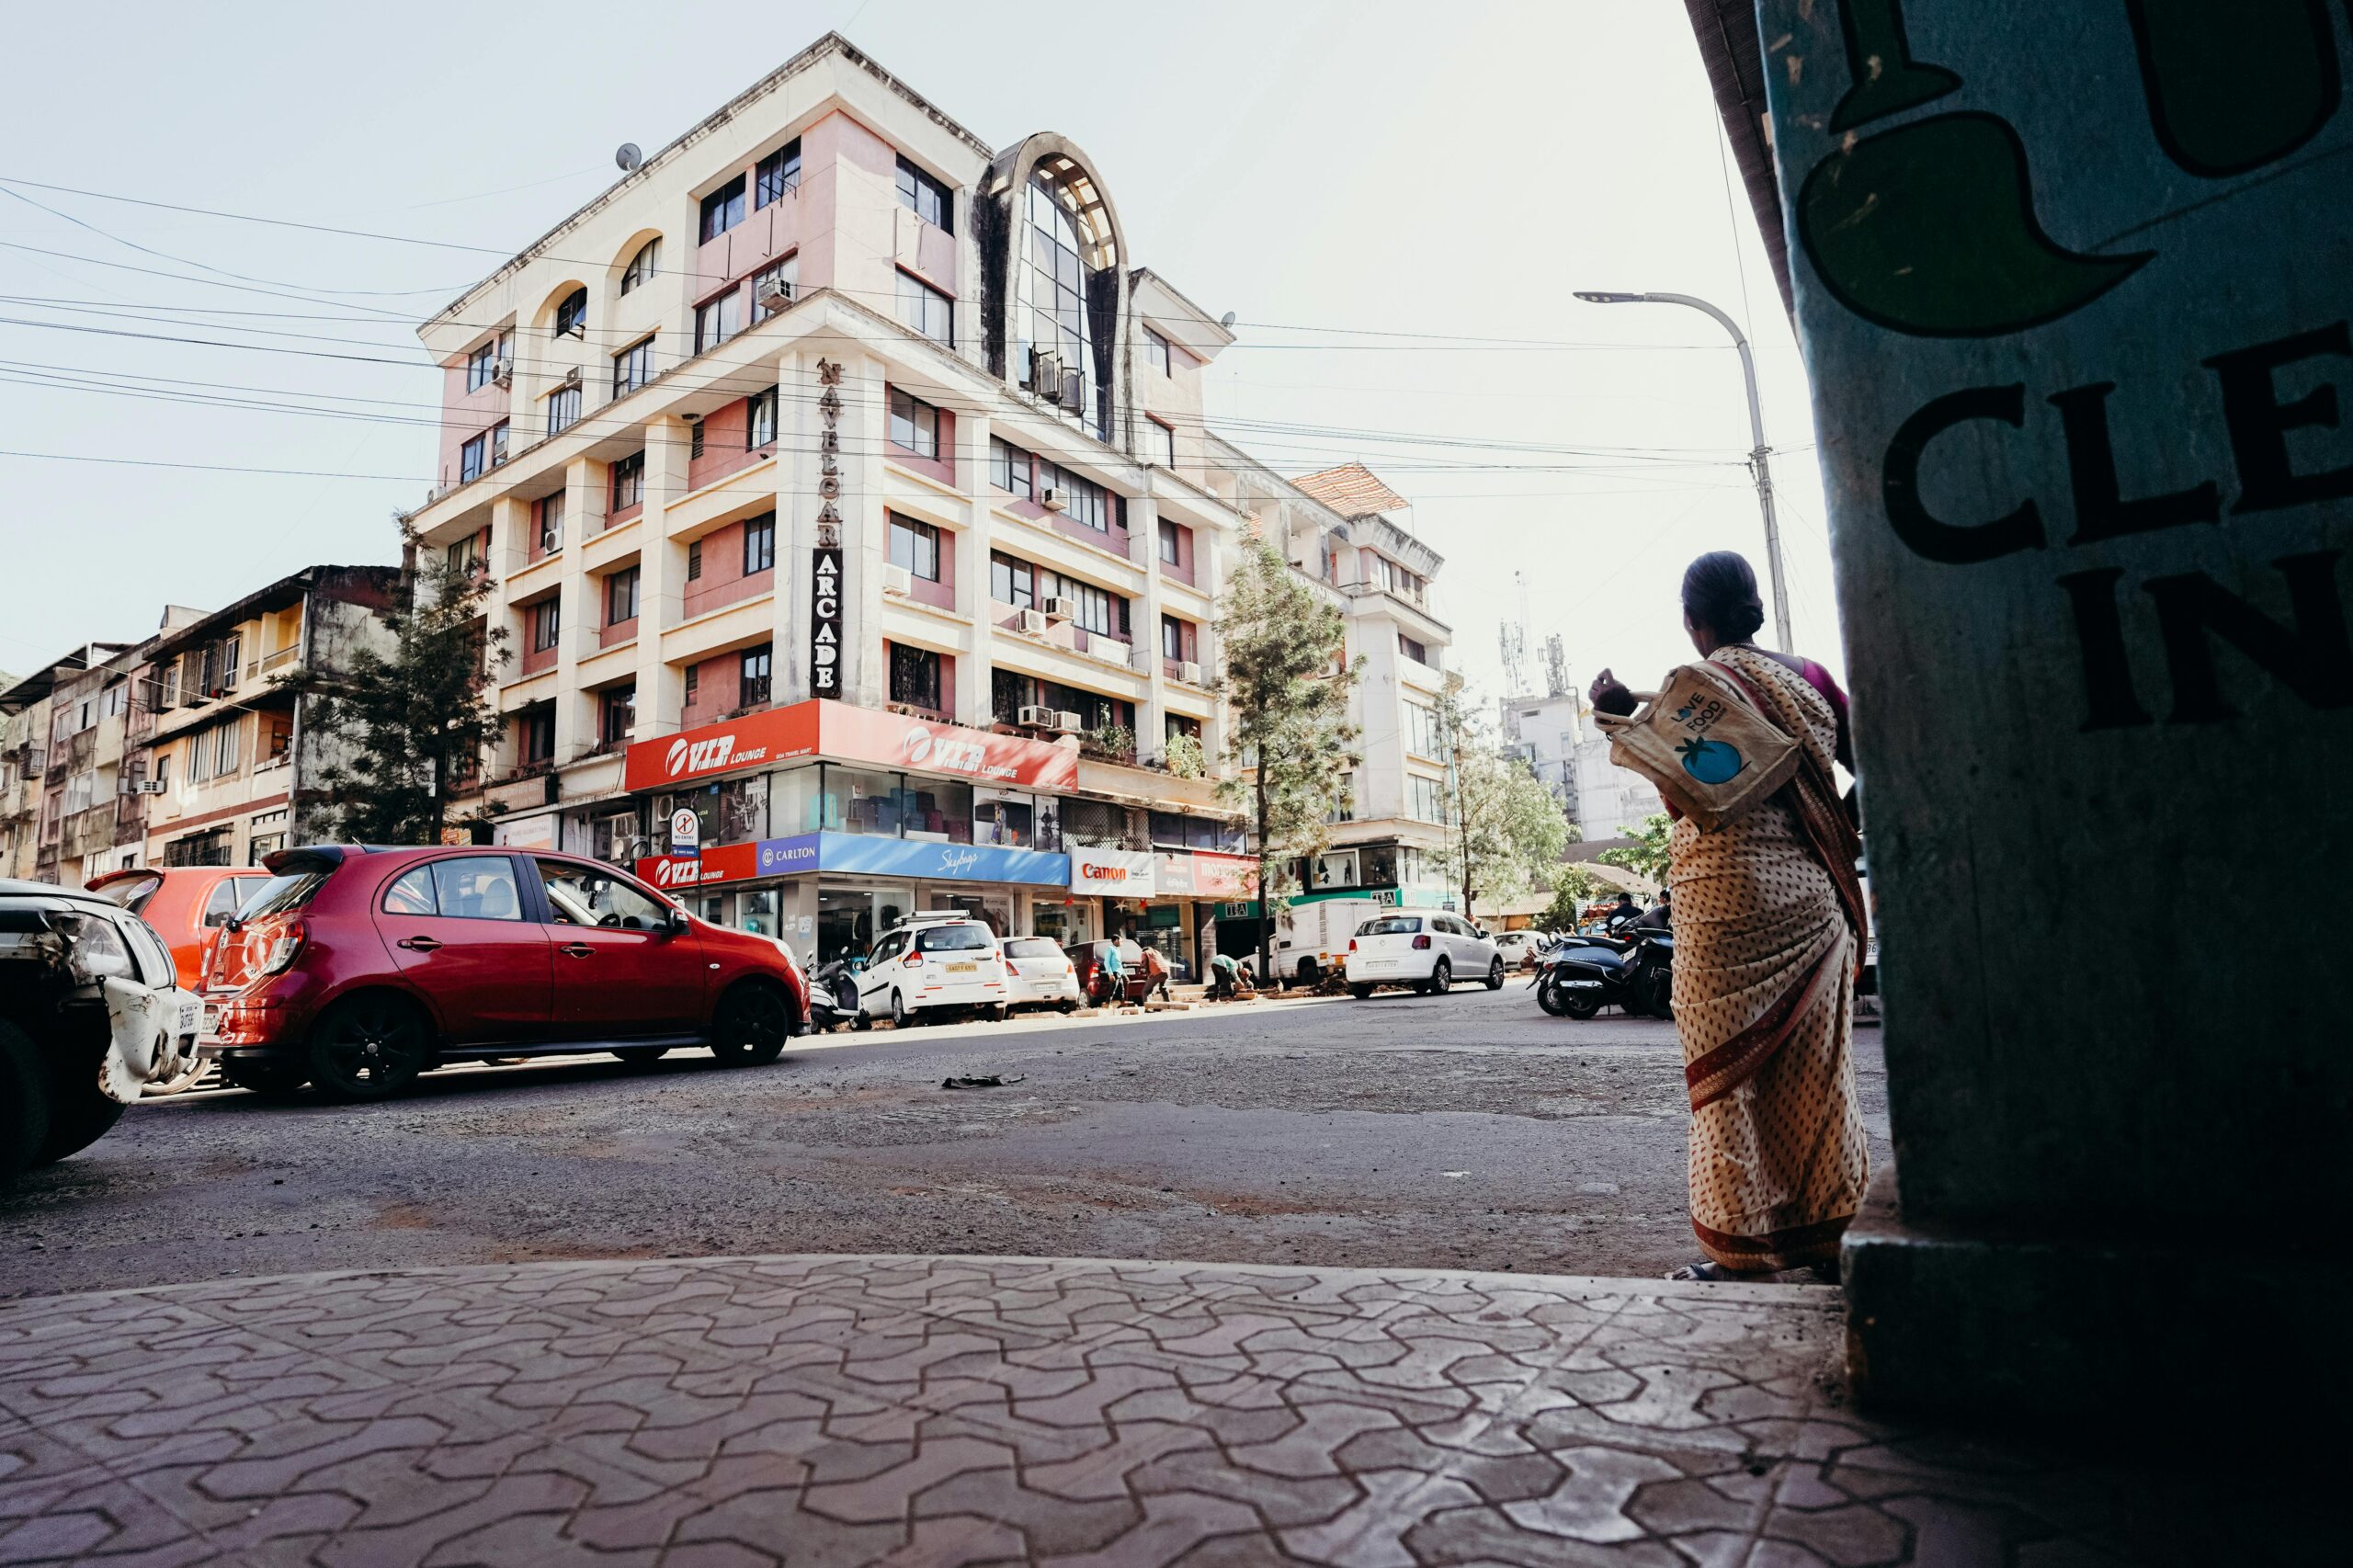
(2314,661)
(2259,422)
(1952,543)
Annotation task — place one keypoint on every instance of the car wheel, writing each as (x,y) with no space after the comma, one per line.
(24,1102)
(1068,1008)
(1359,992)
(642,1055)
(751,1027)
(1309,973)
(898,1011)
(1495,974)
(271,1079)
(1580,1005)
(367,1048)
(1442,979)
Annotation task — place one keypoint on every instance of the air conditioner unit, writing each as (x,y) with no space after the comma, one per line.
(1035,717)
(1046,375)
(571,378)
(151,787)
(1034,622)
(1073,390)
(1062,608)
(1189,674)
(773,295)
(501,374)
(1053,499)
(1110,652)
(898,580)
(1068,723)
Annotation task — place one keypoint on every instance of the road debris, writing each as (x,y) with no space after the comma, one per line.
(992,1081)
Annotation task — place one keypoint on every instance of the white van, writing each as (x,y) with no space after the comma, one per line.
(1311,940)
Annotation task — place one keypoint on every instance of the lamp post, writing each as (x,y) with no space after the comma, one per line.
(1758,452)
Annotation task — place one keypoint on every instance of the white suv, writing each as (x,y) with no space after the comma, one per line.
(935,960)
(1427,951)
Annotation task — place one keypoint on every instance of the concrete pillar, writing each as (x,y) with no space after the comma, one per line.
(2090,499)
(1144,534)
(662,566)
(973,695)
(865,429)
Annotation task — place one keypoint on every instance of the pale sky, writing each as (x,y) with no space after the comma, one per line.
(1401,179)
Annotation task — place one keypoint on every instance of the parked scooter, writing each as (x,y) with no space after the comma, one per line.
(1637,974)
(832,994)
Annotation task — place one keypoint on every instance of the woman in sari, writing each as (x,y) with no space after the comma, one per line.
(1768,922)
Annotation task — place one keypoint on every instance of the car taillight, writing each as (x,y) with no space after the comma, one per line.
(913,958)
(271,944)
(1352,944)
(1421,942)
(1069,968)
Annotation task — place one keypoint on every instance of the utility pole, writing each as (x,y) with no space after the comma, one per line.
(1758,452)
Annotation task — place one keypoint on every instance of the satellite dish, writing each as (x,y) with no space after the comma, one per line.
(628,157)
(1226,321)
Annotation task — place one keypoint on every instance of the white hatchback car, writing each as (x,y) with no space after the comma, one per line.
(1427,951)
(1519,949)
(1036,972)
(934,961)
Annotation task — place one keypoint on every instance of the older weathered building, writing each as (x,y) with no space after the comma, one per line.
(29,715)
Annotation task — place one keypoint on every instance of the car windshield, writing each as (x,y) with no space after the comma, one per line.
(280,895)
(1390,926)
(1032,947)
(952,938)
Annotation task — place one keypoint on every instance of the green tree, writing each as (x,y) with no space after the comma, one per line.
(1506,829)
(1574,887)
(1285,681)
(1646,857)
(410,726)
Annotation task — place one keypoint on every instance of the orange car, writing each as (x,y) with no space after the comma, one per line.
(186,905)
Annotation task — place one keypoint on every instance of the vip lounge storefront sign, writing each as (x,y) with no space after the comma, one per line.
(722,863)
(850,734)
(1112,873)
(2076,284)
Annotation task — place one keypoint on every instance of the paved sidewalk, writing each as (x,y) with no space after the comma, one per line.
(941,1410)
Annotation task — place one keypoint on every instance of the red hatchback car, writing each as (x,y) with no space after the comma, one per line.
(357,968)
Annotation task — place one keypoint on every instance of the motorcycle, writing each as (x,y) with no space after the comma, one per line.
(1637,973)
(833,995)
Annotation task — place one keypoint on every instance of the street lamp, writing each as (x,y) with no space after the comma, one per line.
(1757,453)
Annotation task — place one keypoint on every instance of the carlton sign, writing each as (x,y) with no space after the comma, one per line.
(852,734)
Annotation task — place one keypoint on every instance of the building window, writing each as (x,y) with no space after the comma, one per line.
(777,175)
(536,740)
(473,458)
(694,442)
(694,684)
(926,197)
(571,315)
(752,677)
(1423,799)
(759,543)
(629,481)
(1009,468)
(1083,500)
(464,557)
(1056,285)
(563,409)
(915,425)
(1344,800)
(694,569)
(621,596)
(550,523)
(484,364)
(497,443)
(547,624)
(1172,544)
(915,546)
(225,748)
(1155,351)
(1422,737)
(722,209)
(1011,581)
(1175,643)
(759,420)
(1159,443)
(925,309)
(1099,610)
(783,277)
(915,676)
(617,714)
(633,367)
(643,266)
(1414,650)
(718,320)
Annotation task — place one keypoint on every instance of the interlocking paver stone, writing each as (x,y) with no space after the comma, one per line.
(921,1411)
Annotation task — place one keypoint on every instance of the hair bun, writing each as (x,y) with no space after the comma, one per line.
(1720,593)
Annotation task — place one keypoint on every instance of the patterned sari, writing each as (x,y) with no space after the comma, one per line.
(1767,921)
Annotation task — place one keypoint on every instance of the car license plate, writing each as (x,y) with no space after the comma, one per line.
(962,967)
(211,1018)
(189,1013)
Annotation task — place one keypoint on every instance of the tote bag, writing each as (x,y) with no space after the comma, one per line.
(1704,744)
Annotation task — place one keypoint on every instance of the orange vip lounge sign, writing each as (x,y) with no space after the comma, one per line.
(838,731)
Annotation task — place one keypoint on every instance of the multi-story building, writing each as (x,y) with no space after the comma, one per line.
(843,485)
(29,714)
(231,767)
(91,811)
(1601,797)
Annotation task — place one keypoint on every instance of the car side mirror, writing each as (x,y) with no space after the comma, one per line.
(674,921)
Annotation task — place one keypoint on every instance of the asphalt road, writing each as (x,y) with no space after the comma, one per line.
(1469,1130)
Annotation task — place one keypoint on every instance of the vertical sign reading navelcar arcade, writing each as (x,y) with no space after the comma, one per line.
(825,621)
(2074,284)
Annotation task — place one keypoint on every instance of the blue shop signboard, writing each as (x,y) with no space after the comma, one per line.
(922,859)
